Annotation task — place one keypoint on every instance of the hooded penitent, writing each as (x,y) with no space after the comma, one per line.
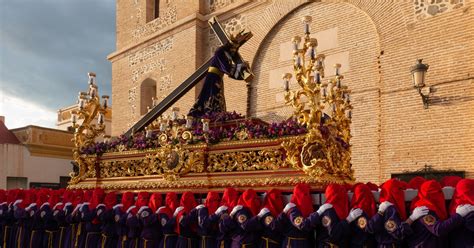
(431,195)
(68,196)
(171,203)
(392,191)
(336,195)
(78,197)
(128,199)
(155,201)
(188,202)
(13,195)
(250,200)
(274,201)
(372,186)
(451,181)
(110,200)
(302,199)
(212,202)
(142,199)
(87,196)
(97,198)
(463,194)
(3,196)
(415,183)
(363,199)
(230,198)
(29,196)
(53,198)
(42,197)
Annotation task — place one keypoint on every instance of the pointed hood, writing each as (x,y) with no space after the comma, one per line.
(336,194)
(110,200)
(463,194)
(392,191)
(302,199)
(128,199)
(431,195)
(97,198)
(274,202)
(155,202)
(450,181)
(363,199)
(212,202)
(230,198)
(250,200)
(416,182)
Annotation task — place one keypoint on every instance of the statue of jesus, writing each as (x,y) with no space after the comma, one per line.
(211,98)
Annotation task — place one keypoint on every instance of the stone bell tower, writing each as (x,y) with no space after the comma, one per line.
(158,45)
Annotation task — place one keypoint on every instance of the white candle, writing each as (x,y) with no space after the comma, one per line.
(93,91)
(286,84)
(81,103)
(189,122)
(100,120)
(162,126)
(148,133)
(317,77)
(205,125)
(306,28)
(73,118)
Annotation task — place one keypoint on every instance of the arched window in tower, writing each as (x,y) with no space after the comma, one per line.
(152,10)
(147,95)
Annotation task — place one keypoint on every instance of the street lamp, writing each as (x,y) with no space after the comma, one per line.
(418,73)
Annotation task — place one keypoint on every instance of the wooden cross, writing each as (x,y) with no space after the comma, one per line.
(192,80)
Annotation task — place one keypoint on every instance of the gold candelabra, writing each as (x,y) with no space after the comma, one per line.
(89,106)
(325,109)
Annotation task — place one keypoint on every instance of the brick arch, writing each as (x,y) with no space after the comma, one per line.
(378,12)
(147,90)
(367,120)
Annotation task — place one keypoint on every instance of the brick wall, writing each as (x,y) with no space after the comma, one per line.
(376,41)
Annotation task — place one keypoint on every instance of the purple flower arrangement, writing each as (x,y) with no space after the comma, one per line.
(226,126)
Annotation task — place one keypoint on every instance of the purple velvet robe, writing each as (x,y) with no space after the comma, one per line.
(271,235)
(463,235)
(64,232)
(121,228)
(330,229)
(50,226)
(388,229)
(75,232)
(187,237)
(359,236)
(167,227)
(151,231)
(208,229)
(134,229)
(107,228)
(92,227)
(211,98)
(24,222)
(296,229)
(241,227)
(7,222)
(429,231)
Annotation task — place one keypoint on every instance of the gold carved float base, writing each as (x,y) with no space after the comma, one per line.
(258,164)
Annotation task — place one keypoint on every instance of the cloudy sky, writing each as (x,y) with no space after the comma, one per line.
(46,49)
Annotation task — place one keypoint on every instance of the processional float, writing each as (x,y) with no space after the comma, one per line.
(173,153)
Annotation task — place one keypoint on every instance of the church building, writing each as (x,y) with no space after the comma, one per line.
(396,128)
